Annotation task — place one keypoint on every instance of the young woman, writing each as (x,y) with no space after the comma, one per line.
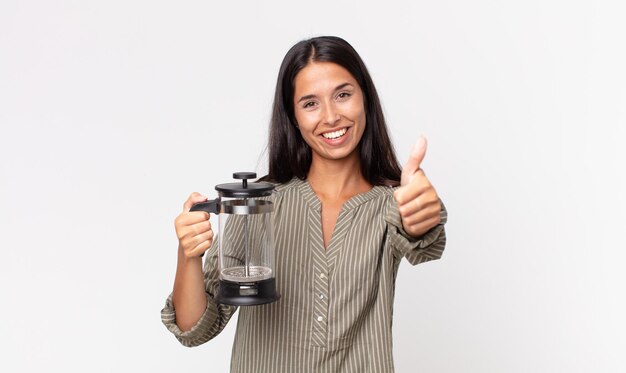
(345,215)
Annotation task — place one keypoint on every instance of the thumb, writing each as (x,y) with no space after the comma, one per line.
(415,160)
(194,198)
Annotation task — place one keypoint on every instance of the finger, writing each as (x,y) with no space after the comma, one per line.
(425,198)
(191,218)
(194,241)
(186,220)
(419,185)
(415,160)
(423,227)
(194,198)
(201,227)
(429,211)
(201,248)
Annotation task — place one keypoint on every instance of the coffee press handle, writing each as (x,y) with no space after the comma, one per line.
(211,206)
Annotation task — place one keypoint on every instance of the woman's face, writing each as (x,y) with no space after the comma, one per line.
(329,109)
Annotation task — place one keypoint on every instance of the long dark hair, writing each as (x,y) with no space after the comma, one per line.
(289,154)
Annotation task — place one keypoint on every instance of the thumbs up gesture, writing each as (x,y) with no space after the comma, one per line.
(417,200)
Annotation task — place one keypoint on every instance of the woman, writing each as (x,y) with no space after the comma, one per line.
(345,215)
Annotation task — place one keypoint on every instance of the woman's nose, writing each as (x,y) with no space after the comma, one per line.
(331,116)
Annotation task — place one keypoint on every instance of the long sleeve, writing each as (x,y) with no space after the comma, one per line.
(416,250)
(215,316)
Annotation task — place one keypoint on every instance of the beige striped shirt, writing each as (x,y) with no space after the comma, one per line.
(336,304)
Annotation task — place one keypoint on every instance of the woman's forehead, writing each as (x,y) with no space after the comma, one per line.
(322,76)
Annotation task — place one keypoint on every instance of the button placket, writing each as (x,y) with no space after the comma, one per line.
(320,292)
(320,281)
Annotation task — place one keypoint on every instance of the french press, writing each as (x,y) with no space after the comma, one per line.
(246,241)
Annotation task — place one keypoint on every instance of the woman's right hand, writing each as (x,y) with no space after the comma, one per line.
(193,229)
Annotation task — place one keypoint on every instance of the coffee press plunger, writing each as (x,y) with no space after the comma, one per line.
(246,241)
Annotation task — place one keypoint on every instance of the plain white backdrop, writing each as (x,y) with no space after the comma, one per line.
(112,112)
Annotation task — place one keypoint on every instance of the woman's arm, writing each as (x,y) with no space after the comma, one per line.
(189,295)
(195,236)
(190,312)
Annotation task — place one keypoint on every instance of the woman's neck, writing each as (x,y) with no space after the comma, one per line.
(337,179)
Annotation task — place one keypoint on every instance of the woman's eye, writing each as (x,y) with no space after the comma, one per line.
(308,105)
(343,95)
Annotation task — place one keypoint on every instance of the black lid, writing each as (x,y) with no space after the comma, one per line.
(244,189)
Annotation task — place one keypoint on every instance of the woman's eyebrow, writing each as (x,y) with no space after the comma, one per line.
(339,87)
(342,86)
(306,98)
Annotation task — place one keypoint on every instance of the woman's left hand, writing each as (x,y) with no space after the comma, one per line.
(417,199)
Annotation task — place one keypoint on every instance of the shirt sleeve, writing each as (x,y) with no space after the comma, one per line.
(428,247)
(215,316)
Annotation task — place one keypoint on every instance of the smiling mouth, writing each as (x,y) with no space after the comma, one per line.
(335,134)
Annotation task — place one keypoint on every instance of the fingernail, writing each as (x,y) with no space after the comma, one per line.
(419,143)
(396,195)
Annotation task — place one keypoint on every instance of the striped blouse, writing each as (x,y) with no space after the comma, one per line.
(336,304)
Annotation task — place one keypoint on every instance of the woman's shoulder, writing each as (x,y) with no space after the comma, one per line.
(288,185)
(294,188)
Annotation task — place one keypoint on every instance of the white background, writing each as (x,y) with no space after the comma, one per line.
(112,112)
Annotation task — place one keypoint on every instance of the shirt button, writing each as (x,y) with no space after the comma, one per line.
(322,275)
(321,296)
(320,318)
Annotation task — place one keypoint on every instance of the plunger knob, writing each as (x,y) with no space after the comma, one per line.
(244,176)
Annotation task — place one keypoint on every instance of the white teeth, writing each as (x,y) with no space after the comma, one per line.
(336,134)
